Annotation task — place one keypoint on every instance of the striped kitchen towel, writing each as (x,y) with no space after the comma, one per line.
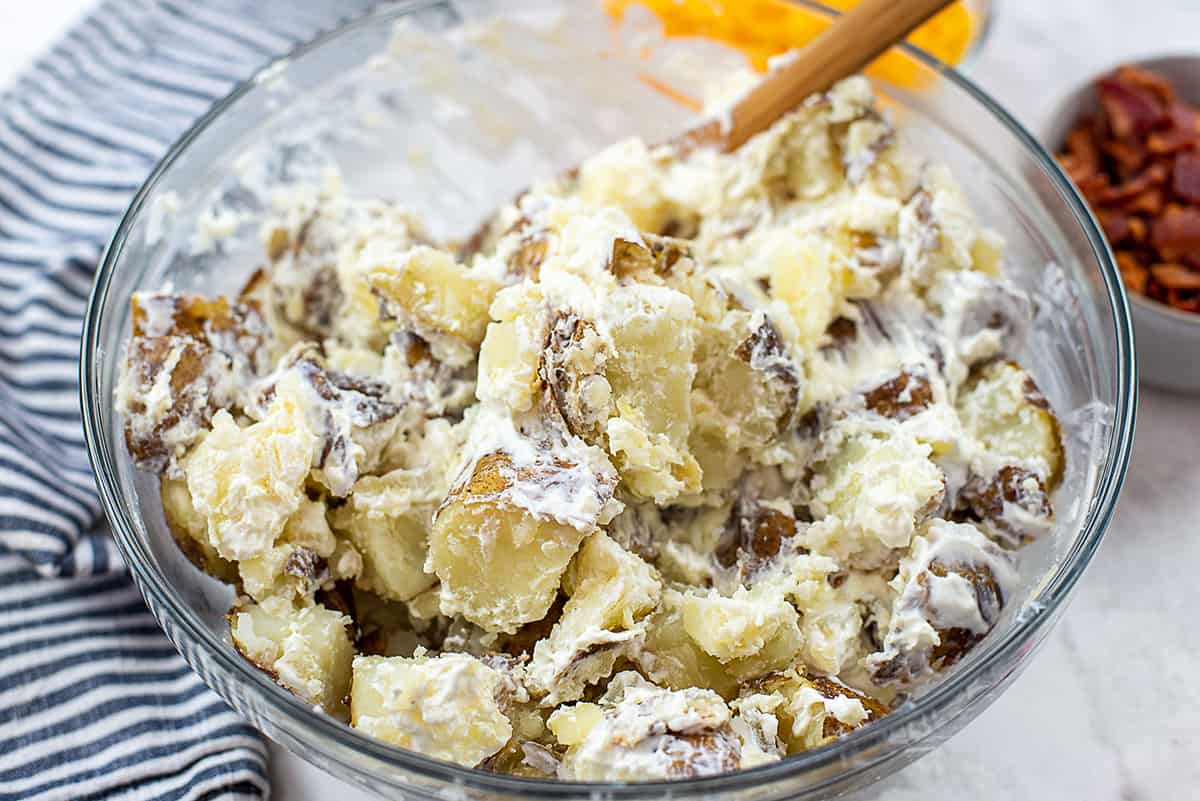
(94,701)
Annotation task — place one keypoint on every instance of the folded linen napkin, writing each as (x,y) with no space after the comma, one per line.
(94,701)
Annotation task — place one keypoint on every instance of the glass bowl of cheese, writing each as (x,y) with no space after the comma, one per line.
(468,444)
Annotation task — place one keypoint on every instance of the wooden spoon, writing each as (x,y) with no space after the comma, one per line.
(852,42)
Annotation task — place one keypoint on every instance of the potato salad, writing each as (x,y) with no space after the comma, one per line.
(684,463)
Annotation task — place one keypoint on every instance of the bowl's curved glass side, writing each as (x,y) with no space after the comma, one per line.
(1012,182)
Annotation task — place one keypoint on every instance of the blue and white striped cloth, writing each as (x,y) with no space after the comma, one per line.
(94,701)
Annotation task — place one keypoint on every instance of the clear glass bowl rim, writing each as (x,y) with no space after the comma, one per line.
(961,687)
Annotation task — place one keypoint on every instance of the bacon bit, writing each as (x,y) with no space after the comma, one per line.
(1092,186)
(1176,277)
(1150,202)
(1186,183)
(1132,111)
(1151,81)
(1177,233)
(1183,131)
(1128,159)
(1153,175)
(1116,226)
(1081,144)
(1137,229)
(1185,300)
(1133,272)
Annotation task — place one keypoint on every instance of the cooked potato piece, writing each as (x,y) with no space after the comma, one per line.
(811,710)
(1003,409)
(639,732)
(649,257)
(302,559)
(628,175)
(807,272)
(611,592)
(190,531)
(307,649)
(951,588)
(509,527)
(939,233)
(751,633)
(870,492)
(443,707)
(574,366)
(305,290)
(189,357)
(299,562)
(755,534)
(651,375)
(512,348)
(435,296)
(1012,507)
(735,627)
(247,482)
(757,726)
(670,657)
(351,414)
(746,392)
(499,566)
(388,518)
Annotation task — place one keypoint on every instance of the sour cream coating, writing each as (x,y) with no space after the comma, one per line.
(683,464)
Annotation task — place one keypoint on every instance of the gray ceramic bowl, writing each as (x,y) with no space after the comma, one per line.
(1166,339)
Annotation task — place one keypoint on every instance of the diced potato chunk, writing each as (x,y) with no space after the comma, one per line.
(873,491)
(247,482)
(807,273)
(511,524)
(639,732)
(190,530)
(388,518)
(500,566)
(757,726)
(574,367)
(512,348)
(746,392)
(435,296)
(628,175)
(951,589)
(738,626)
(651,374)
(443,707)
(1004,410)
(670,657)
(1012,507)
(298,564)
(308,650)
(811,710)
(190,356)
(611,593)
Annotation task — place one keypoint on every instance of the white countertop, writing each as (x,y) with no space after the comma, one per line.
(1110,708)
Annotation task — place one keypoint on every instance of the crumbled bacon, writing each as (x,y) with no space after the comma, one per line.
(1137,162)
(1176,233)
(1186,183)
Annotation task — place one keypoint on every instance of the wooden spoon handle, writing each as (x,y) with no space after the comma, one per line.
(854,40)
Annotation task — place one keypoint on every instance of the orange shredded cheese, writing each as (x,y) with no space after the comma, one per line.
(761,29)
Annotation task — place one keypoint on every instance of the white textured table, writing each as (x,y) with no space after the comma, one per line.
(1110,708)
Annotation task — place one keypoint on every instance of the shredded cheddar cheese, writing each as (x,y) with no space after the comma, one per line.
(761,29)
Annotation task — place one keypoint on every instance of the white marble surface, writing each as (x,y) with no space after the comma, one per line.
(1110,708)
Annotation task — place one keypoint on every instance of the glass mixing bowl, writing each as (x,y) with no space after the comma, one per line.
(430,103)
